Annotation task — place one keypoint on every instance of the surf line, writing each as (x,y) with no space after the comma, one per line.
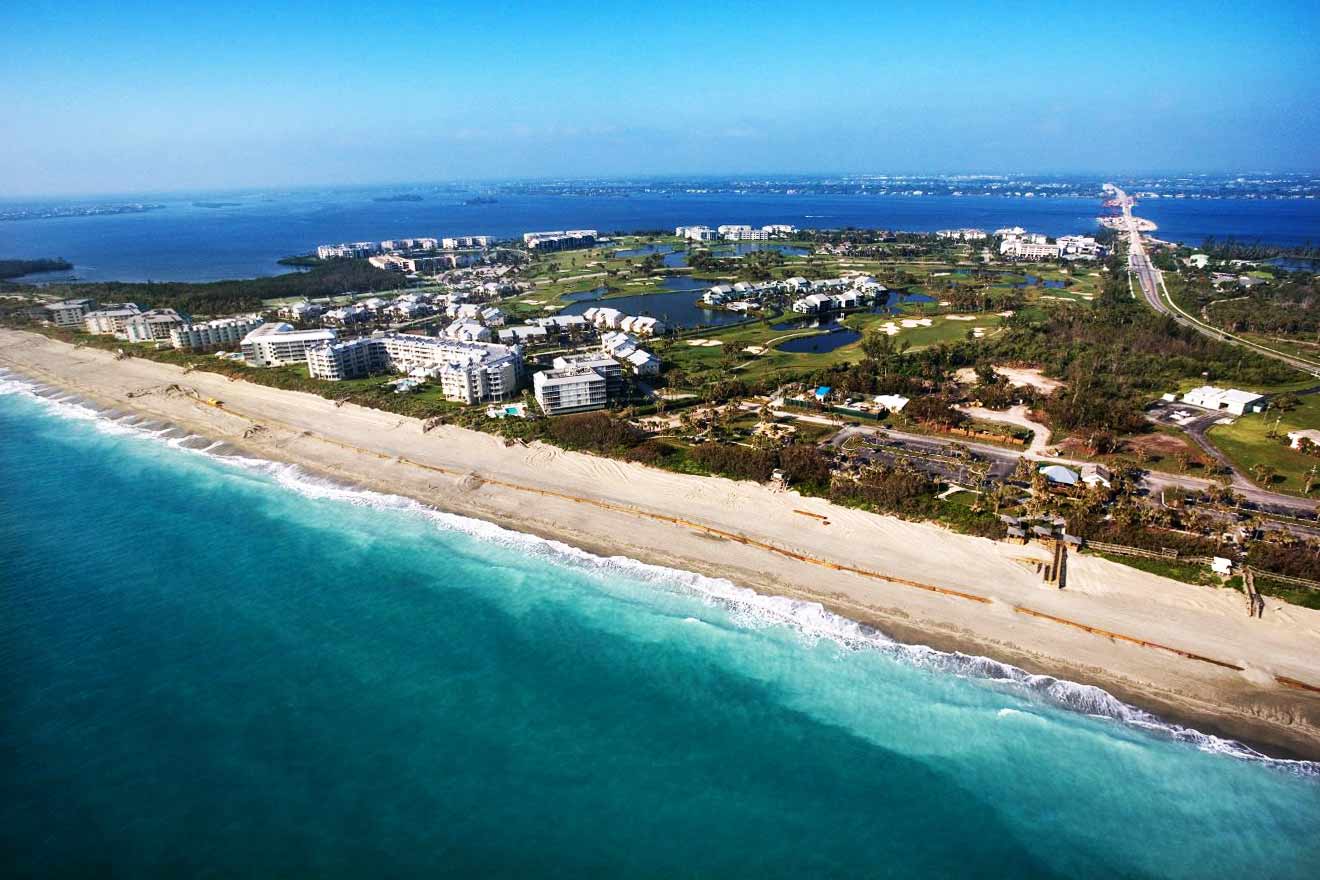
(783,551)
(743,539)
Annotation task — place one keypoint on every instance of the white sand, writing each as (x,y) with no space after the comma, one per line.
(745,532)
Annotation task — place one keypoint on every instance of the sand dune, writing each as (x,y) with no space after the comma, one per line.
(916,581)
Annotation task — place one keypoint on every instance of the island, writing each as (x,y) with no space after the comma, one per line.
(19,268)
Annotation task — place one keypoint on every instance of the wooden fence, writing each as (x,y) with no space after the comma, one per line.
(1124,550)
(1286,579)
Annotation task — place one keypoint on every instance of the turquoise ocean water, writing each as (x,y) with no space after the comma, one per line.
(224,667)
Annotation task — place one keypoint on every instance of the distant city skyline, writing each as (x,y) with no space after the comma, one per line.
(107,98)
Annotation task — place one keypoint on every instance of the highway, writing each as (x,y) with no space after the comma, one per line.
(1157,296)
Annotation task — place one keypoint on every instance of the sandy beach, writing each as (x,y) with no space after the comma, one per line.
(1187,653)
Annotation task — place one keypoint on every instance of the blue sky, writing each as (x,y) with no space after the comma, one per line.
(124,96)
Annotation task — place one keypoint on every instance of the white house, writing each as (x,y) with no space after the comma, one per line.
(1295,438)
(528,334)
(468,331)
(1230,400)
(644,363)
(1096,475)
(301,310)
(618,343)
(603,317)
(892,402)
(1060,475)
(717,294)
(812,303)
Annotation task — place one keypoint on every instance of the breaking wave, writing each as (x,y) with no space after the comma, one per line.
(810,621)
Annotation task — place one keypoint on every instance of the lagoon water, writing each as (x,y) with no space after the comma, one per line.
(185,241)
(223,666)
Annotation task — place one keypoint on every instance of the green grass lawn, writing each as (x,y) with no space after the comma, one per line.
(695,359)
(1247,444)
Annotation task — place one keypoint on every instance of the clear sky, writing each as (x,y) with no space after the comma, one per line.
(125,96)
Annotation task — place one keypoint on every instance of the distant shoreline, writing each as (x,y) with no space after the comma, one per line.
(191,244)
(529,489)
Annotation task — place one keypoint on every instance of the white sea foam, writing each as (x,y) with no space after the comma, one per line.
(810,621)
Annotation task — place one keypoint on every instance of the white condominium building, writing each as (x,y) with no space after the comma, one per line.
(963,234)
(153,325)
(276,344)
(68,312)
(696,233)
(409,244)
(1080,246)
(610,369)
(560,239)
(214,334)
(1025,249)
(576,389)
(467,371)
(349,250)
(739,232)
(466,241)
(110,321)
(301,310)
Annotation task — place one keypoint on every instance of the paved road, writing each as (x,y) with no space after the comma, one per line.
(1002,462)
(1157,296)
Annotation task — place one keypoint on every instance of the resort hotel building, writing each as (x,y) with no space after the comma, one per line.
(276,344)
(214,334)
(153,325)
(467,371)
(560,239)
(570,390)
(68,312)
(111,320)
(465,241)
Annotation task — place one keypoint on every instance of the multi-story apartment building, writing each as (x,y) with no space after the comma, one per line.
(740,232)
(68,312)
(276,344)
(110,321)
(696,233)
(348,250)
(467,371)
(1026,249)
(576,389)
(465,241)
(210,335)
(559,240)
(609,369)
(153,325)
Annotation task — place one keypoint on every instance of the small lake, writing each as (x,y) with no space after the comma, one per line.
(820,343)
(674,257)
(743,248)
(1294,264)
(1032,281)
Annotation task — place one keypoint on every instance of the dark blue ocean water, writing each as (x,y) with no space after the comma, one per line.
(185,242)
(227,668)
